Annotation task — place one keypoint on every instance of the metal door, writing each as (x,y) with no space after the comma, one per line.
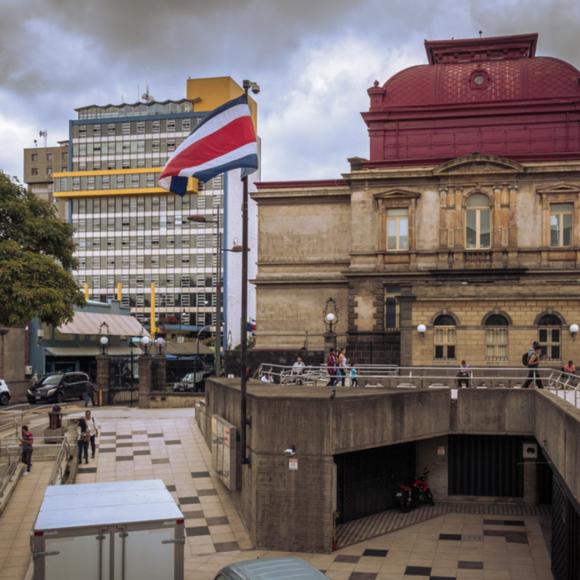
(486,465)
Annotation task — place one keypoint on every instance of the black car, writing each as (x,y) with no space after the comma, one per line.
(58,387)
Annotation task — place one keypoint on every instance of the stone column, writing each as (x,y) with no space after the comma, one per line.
(160,370)
(407,329)
(103,378)
(145,379)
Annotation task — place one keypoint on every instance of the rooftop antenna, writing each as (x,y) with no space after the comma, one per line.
(43,133)
(480,33)
(147,97)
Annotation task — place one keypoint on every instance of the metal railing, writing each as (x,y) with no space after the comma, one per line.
(61,463)
(565,385)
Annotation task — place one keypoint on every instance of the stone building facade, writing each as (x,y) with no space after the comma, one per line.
(459,238)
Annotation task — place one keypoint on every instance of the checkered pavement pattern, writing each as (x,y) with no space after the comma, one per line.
(450,545)
(169,450)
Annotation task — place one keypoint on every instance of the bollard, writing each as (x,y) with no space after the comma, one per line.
(55,418)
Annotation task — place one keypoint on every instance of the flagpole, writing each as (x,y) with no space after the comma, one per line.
(244,321)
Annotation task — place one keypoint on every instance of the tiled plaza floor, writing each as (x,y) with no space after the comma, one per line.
(166,444)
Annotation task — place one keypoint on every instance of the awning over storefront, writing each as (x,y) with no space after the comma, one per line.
(74,352)
(91,323)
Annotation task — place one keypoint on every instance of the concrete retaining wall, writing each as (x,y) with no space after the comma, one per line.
(286,509)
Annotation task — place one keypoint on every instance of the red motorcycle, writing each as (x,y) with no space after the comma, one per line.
(409,496)
(421,490)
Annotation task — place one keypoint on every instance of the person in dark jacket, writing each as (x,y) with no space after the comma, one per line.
(26,442)
(534,357)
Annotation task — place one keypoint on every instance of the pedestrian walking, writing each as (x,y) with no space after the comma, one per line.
(26,443)
(89,394)
(93,430)
(83,438)
(353,376)
(342,365)
(532,360)
(331,367)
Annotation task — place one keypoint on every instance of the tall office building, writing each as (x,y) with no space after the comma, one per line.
(40,165)
(131,235)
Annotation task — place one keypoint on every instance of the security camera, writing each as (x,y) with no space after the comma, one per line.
(291,451)
(255,88)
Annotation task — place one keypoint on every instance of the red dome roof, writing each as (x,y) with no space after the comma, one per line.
(486,95)
(481,82)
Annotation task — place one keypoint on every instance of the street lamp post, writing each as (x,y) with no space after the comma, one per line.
(198,333)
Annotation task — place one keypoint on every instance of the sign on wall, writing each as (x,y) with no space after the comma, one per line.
(223,451)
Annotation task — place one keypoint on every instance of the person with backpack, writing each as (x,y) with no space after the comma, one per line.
(531,359)
(26,441)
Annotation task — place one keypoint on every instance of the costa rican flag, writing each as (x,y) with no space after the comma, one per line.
(224,140)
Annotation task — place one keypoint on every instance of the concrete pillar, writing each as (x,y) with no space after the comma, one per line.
(103,378)
(160,370)
(530,482)
(145,379)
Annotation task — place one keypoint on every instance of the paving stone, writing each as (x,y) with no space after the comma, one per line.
(200,474)
(466,565)
(87,470)
(141,452)
(206,492)
(503,523)
(217,521)
(154,434)
(226,546)
(362,576)
(197,531)
(347,558)
(418,571)
(456,537)
(375,552)
(188,500)
(173,442)
(160,461)
(124,458)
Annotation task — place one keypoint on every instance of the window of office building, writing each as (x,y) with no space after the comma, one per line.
(392,308)
(496,338)
(445,337)
(478,222)
(397,229)
(561,224)
(549,336)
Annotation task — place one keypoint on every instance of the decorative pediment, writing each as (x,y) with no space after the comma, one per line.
(477,163)
(558,188)
(397,193)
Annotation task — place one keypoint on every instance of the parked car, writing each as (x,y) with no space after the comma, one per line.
(58,387)
(4,393)
(270,569)
(192,382)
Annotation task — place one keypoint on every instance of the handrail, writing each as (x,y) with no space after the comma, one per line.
(60,463)
(421,376)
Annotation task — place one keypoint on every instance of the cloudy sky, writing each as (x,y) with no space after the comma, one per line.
(314,60)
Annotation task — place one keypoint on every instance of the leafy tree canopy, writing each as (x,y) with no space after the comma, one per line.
(36,252)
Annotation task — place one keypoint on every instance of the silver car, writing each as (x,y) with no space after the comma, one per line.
(4,393)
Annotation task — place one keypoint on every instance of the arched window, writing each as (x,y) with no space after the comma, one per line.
(496,338)
(445,337)
(549,335)
(478,222)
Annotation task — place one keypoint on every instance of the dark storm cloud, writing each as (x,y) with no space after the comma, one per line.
(558,23)
(313,58)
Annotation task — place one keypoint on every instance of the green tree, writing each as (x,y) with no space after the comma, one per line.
(36,254)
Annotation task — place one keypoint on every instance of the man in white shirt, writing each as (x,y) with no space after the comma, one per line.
(93,430)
